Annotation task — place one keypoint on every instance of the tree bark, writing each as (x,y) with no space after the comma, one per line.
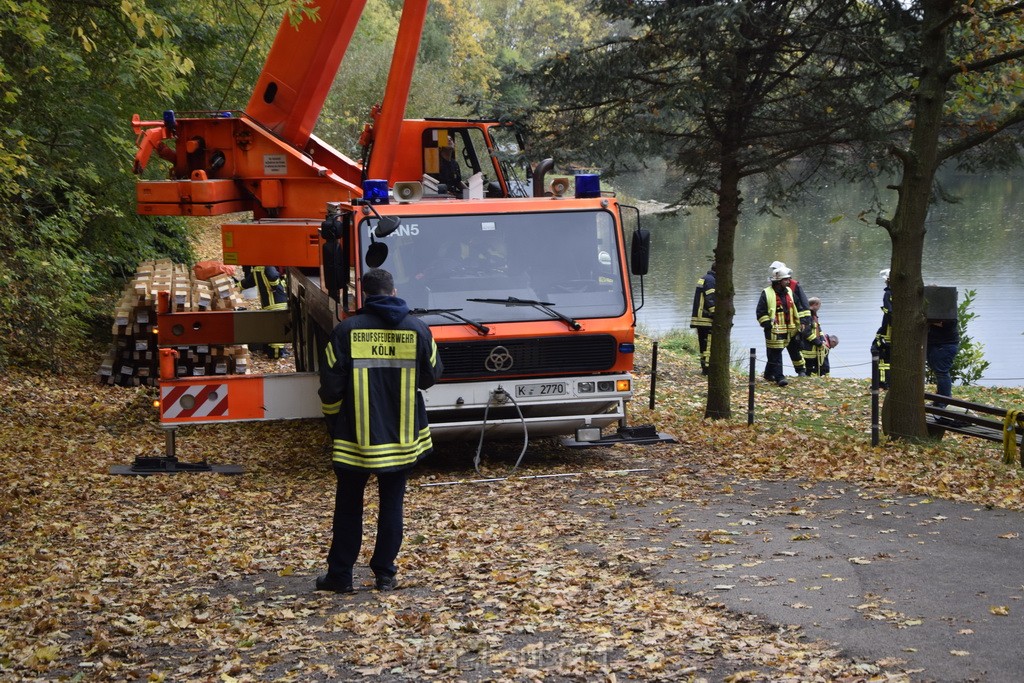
(737,110)
(719,377)
(903,413)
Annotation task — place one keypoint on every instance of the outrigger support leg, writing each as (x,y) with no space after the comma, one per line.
(169,463)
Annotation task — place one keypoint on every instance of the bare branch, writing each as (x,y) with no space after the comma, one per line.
(1015,116)
(983,64)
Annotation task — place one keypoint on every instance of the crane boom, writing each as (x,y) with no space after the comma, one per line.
(396,94)
(300,69)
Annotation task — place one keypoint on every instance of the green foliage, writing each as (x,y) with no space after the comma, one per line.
(70,76)
(682,342)
(969,365)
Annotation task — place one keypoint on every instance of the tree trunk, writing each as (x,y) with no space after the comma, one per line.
(720,375)
(903,413)
(737,112)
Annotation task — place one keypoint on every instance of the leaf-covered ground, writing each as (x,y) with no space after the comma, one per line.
(209,577)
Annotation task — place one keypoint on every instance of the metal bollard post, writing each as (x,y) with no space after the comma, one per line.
(169,444)
(750,386)
(874,397)
(654,372)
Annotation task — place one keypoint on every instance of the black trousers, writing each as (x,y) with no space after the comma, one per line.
(795,349)
(773,368)
(348,522)
(704,345)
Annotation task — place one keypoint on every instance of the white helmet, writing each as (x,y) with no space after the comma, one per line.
(776,264)
(781,273)
(884,273)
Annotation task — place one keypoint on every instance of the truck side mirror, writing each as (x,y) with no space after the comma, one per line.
(376,254)
(386,225)
(640,252)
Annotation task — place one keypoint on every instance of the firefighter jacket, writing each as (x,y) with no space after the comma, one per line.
(704,301)
(376,363)
(817,345)
(270,283)
(802,302)
(781,316)
(884,333)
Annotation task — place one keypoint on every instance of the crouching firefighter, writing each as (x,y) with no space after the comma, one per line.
(269,282)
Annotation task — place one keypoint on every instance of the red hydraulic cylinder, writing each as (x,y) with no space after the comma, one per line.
(168,359)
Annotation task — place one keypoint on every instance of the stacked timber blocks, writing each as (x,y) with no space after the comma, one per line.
(134,358)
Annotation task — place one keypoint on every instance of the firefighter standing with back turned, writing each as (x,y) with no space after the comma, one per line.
(703,312)
(882,344)
(375,365)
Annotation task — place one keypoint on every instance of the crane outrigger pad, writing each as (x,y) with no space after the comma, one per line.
(171,465)
(639,435)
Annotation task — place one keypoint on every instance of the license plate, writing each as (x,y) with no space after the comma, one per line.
(545,389)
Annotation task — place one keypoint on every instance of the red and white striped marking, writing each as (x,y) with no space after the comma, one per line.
(197,400)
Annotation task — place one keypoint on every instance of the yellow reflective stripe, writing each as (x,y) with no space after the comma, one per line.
(381,449)
(361,406)
(329,352)
(407,406)
(282,306)
(433,354)
(384,455)
(771,300)
(331,408)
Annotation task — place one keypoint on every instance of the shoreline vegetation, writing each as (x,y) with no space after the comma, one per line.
(819,428)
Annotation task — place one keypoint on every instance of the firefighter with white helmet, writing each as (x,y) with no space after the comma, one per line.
(780,314)
(798,344)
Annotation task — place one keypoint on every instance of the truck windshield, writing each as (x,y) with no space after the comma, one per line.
(567,260)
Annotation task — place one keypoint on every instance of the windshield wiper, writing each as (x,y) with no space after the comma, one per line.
(539,305)
(452,314)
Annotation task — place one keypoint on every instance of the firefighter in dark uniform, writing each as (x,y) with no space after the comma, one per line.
(781,316)
(882,344)
(703,312)
(818,344)
(269,281)
(375,364)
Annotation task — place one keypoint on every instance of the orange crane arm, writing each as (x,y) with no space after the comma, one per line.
(300,68)
(403,63)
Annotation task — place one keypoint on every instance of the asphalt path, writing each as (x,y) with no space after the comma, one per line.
(932,587)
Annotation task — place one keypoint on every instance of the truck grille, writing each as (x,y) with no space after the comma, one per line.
(547,355)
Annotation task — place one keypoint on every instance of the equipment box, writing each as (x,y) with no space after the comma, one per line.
(940,302)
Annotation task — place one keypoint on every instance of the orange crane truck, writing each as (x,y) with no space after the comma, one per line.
(526,287)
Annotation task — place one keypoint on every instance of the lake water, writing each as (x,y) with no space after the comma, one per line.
(975,245)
